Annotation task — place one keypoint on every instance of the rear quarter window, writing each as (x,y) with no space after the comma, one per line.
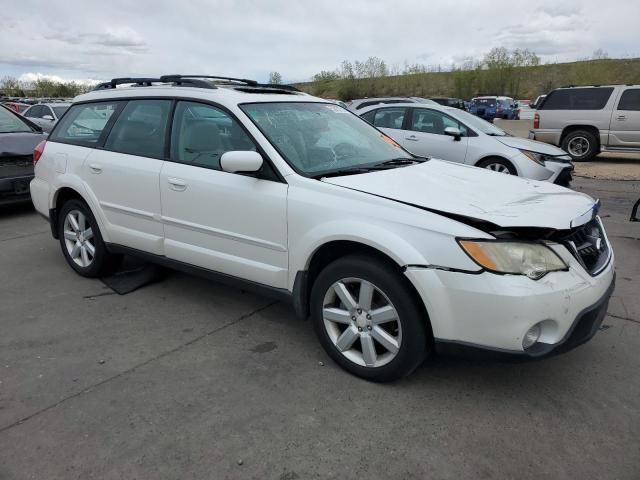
(577,99)
(83,124)
(630,100)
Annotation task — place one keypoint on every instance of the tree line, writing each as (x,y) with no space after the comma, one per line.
(499,72)
(41,87)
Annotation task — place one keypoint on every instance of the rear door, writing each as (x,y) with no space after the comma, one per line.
(123,175)
(425,135)
(225,222)
(625,121)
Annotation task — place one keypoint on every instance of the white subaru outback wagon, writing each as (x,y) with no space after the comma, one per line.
(392,256)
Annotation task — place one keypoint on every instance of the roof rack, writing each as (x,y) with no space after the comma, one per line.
(179,78)
(148,82)
(278,86)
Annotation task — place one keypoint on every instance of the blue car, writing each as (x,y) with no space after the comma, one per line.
(490,108)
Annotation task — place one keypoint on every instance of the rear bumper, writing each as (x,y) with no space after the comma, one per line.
(14,189)
(546,136)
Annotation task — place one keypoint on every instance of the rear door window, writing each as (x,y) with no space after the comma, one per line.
(34,112)
(577,99)
(141,129)
(630,100)
(84,124)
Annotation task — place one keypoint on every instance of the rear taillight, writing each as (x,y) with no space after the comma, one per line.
(38,151)
(499,109)
(536,120)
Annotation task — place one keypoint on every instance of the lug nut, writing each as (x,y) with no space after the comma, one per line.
(359,311)
(368,317)
(368,327)
(359,329)
(353,318)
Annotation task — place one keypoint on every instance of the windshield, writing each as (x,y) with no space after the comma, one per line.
(483,102)
(10,123)
(59,111)
(320,138)
(477,123)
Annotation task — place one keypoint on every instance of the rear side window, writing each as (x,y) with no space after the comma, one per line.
(389,117)
(577,99)
(630,100)
(34,112)
(432,121)
(202,133)
(140,129)
(369,116)
(84,124)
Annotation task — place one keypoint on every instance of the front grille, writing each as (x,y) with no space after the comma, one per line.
(589,245)
(17,166)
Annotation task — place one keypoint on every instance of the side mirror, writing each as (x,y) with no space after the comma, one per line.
(453,132)
(241,161)
(47,117)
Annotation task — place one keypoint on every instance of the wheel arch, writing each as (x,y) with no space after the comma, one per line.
(589,128)
(67,191)
(333,250)
(496,157)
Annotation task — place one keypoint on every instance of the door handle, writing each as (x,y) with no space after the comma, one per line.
(177,184)
(621,118)
(412,138)
(95,168)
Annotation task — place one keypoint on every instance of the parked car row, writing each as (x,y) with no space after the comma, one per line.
(392,255)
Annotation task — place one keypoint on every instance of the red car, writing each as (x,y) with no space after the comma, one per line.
(17,107)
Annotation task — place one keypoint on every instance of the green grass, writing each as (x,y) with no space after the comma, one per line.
(525,82)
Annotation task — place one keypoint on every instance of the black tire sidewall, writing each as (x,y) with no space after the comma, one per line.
(101,260)
(415,344)
(593,145)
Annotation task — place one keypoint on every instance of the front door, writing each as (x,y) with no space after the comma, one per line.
(625,121)
(425,136)
(226,222)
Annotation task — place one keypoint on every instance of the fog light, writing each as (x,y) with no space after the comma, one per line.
(532,336)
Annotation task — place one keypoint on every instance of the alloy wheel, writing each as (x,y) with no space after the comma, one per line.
(79,239)
(498,167)
(361,322)
(578,146)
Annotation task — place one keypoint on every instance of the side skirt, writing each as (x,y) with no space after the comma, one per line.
(280,294)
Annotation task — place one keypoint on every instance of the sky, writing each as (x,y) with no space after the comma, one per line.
(91,40)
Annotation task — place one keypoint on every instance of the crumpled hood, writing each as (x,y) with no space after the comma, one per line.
(19,144)
(503,200)
(531,145)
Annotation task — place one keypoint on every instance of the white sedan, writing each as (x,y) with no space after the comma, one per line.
(455,135)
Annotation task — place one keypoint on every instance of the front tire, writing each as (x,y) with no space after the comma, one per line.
(368,320)
(581,145)
(499,165)
(81,242)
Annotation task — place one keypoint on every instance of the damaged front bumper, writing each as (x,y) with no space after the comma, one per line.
(494,312)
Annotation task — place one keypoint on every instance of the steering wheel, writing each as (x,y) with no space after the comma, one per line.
(344,150)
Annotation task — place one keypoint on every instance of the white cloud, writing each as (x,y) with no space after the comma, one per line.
(249,38)
(30,77)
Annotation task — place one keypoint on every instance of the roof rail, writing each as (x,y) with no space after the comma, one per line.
(148,82)
(114,82)
(177,78)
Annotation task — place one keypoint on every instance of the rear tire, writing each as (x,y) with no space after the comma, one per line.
(81,242)
(368,320)
(581,145)
(499,165)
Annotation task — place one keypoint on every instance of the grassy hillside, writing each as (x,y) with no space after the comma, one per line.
(523,82)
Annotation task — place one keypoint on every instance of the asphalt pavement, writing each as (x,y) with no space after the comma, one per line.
(188,379)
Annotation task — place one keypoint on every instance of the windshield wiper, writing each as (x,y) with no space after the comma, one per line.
(401,161)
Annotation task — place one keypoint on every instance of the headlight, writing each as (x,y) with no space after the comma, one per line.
(536,157)
(534,260)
